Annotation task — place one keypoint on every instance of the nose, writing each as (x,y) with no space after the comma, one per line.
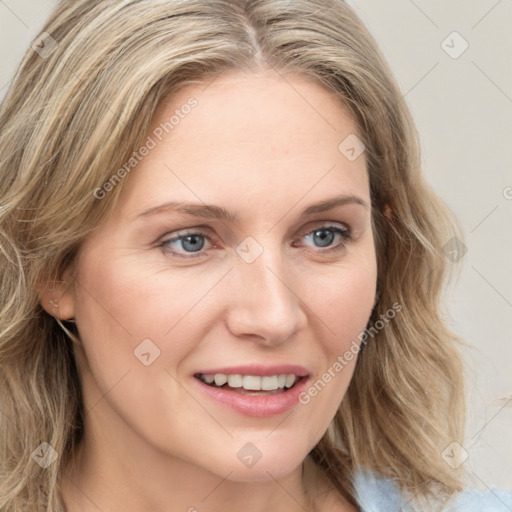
(265,303)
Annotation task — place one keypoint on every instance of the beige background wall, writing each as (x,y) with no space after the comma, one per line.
(461,99)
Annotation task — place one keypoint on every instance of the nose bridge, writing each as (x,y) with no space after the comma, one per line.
(265,303)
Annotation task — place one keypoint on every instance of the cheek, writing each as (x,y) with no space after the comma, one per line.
(127,318)
(352,302)
(344,301)
(121,316)
(140,299)
(344,304)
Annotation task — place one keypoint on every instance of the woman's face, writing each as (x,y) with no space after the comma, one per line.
(263,282)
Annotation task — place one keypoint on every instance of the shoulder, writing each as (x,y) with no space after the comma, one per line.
(493,500)
(376,494)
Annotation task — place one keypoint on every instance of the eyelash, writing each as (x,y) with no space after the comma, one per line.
(343,231)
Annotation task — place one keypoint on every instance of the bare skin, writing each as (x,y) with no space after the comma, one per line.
(153,439)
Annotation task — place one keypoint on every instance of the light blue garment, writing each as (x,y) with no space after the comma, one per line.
(375,494)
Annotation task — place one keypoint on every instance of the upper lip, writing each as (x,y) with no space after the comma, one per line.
(260,370)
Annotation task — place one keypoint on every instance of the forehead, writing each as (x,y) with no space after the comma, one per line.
(253,137)
(265,100)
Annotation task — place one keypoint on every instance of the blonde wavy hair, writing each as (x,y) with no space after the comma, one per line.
(71,118)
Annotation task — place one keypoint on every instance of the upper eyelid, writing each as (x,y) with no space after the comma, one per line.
(204,231)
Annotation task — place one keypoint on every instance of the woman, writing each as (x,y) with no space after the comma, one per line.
(221,269)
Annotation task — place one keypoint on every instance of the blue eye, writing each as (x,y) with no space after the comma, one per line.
(325,236)
(191,244)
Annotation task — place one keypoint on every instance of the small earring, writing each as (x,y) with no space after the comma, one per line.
(54,303)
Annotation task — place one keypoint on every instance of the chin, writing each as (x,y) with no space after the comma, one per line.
(261,472)
(250,464)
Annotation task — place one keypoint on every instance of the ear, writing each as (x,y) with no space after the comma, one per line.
(57,296)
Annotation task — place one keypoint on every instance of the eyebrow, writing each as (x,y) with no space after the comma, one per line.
(210,211)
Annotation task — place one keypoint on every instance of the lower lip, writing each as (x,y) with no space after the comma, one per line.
(255,405)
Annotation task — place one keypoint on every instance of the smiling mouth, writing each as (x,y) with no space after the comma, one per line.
(251,384)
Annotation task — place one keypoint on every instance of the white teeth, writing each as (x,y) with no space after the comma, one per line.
(251,382)
(209,378)
(235,381)
(290,379)
(220,379)
(269,383)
